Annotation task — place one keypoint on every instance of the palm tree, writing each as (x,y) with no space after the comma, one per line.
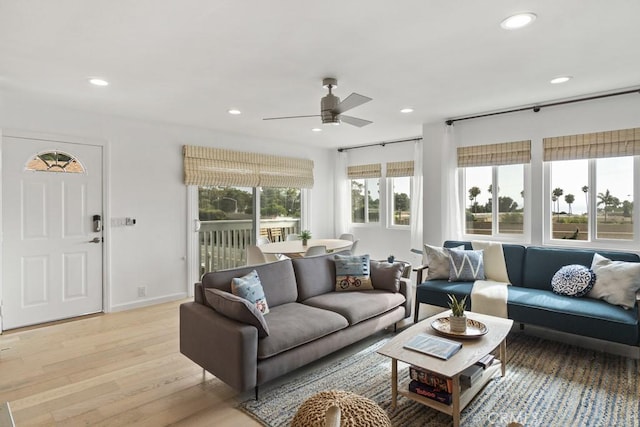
(473,194)
(607,200)
(569,199)
(585,190)
(557,192)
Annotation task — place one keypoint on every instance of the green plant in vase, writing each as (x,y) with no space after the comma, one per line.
(457,319)
(304,235)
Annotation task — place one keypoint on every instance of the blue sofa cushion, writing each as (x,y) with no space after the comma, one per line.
(582,316)
(540,264)
(435,292)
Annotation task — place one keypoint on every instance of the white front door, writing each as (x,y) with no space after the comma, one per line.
(51,251)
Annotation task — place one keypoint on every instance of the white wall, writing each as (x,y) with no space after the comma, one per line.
(619,112)
(146,183)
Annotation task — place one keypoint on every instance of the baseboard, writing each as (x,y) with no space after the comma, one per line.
(148,301)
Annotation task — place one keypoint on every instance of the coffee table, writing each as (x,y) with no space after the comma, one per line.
(472,351)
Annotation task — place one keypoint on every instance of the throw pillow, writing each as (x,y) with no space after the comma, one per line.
(573,280)
(237,308)
(249,287)
(352,273)
(465,266)
(616,281)
(495,267)
(386,276)
(437,259)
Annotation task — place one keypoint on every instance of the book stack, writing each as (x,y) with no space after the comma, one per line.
(430,385)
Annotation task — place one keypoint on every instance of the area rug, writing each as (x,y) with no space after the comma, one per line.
(548,383)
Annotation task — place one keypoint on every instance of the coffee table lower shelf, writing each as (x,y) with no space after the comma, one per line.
(465,396)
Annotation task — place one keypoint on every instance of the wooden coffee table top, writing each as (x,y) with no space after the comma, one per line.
(472,349)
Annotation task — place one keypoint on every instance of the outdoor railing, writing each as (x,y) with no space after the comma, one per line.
(223,242)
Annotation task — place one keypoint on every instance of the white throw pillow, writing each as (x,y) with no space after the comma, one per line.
(495,267)
(616,281)
(437,259)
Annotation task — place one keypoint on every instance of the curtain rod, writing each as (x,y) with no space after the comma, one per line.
(382,144)
(537,107)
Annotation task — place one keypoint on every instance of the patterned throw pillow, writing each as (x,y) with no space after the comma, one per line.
(465,266)
(249,287)
(352,273)
(573,280)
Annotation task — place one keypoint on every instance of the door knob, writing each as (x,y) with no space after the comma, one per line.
(95,240)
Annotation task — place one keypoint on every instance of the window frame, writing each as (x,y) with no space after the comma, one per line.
(593,240)
(381,202)
(525,237)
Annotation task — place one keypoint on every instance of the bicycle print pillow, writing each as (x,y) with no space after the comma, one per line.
(352,273)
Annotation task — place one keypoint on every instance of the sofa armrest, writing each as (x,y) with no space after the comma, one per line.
(224,347)
(405,289)
(419,269)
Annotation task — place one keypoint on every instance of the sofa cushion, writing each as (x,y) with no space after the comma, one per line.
(616,281)
(352,272)
(581,316)
(435,291)
(237,308)
(573,280)
(295,324)
(277,278)
(386,276)
(250,288)
(315,275)
(437,259)
(358,305)
(541,263)
(465,265)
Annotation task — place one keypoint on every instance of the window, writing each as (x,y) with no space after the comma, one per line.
(400,200)
(494,173)
(365,193)
(591,193)
(365,200)
(54,161)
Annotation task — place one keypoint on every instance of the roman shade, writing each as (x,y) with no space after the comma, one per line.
(615,143)
(506,153)
(365,171)
(216,166)
(396,169)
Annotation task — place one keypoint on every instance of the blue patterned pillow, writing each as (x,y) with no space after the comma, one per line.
(465,266)
(249,287)
(573,280)
(352,273)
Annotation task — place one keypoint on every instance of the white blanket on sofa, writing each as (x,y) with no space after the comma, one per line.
(490,296)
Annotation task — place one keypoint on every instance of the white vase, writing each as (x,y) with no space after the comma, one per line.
(458,323)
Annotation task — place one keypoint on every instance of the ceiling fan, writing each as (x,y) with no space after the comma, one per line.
(331,108)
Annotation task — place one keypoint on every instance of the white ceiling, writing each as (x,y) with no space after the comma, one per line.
(189,61)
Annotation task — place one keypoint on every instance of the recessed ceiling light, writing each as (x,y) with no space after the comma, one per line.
(407,110)
(316,130)
(560,79)
(518,20)
(234,111)
(96,81)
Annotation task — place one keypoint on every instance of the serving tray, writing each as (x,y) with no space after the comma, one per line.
(475,329)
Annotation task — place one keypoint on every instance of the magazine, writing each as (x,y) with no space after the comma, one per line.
(433,346)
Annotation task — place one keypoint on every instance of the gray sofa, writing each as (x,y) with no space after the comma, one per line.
(307,320)
(531,300)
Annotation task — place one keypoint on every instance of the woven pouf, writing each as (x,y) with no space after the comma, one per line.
(355,410)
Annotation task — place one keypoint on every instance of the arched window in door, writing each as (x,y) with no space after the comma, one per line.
(54,161)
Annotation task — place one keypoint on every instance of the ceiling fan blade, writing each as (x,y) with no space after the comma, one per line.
(351,101)
(354,121)
(290,117)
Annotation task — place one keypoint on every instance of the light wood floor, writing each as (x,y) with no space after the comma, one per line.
(112,370)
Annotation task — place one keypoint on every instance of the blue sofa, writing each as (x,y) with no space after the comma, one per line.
(531,300)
